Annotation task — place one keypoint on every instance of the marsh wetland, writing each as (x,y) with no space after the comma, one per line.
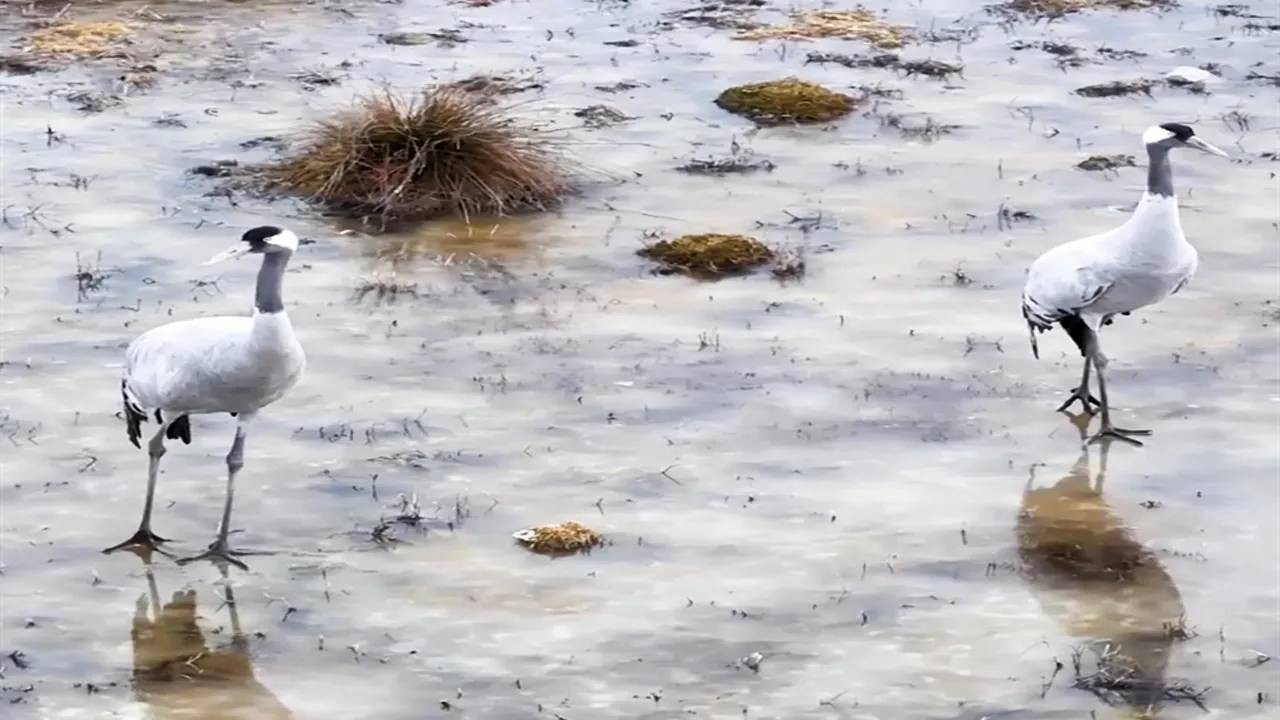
(837,491)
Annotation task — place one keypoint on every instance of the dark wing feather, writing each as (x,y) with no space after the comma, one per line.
(180,430)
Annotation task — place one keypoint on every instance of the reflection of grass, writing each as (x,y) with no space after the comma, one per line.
(785,101)
(709,255)
(445,151)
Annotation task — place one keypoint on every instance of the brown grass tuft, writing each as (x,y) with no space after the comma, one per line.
(563,538)
(79,38)
(446,151)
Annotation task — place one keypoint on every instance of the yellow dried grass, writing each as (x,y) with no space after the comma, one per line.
(857,24)
(565,537)
(80,37)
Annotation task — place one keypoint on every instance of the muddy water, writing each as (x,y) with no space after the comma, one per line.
(858,476)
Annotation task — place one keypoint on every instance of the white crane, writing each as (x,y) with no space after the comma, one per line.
(236,365)
(1082,284)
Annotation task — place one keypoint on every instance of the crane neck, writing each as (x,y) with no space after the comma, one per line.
(267,297)
(1159,171)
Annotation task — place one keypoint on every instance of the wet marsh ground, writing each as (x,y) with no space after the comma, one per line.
(851,474)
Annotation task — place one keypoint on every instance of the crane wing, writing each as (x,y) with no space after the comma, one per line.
(1061,284)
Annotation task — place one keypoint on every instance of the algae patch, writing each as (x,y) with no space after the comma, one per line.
(709,255)
(784,101)
(559,539)
(857,24)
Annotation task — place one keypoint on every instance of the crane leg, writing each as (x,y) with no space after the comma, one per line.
(1081,392)
(220,550)
(1108,430)
(144,541)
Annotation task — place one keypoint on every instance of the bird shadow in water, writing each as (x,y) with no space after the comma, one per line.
(178,675)
(1098,582)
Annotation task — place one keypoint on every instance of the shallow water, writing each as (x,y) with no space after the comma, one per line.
(852,475)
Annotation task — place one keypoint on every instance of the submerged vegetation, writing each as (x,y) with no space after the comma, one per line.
(1056,8)
(1106,162)
(1116,88)
(790,100)
(442,152)
(709,255)
(929,68)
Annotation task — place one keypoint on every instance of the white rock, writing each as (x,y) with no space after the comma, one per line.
(1188,74)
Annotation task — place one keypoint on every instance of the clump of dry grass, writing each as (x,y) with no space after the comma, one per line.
(709,255)
(441,152)
(565,537)
(857,24)
(785,101)
(80,38)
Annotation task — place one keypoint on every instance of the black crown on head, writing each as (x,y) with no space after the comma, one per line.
(1180,131)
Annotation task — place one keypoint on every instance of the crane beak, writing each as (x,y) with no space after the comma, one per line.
(1203,146)
(227,254)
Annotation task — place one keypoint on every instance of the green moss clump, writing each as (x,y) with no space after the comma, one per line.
(709,255)
(790,100)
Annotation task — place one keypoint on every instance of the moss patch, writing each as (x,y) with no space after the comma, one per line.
(785,101)
(709,255)
(559,539)
(857,24)
(447,151)
(80,38)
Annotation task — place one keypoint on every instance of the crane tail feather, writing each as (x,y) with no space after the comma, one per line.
(1032,327)
(133,416)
